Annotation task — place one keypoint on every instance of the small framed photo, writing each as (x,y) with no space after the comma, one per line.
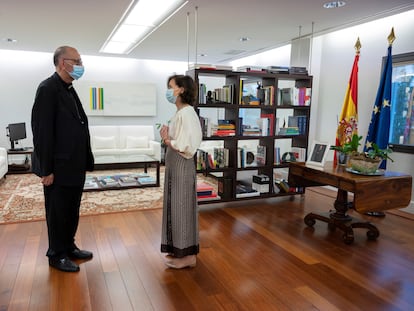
(318,153)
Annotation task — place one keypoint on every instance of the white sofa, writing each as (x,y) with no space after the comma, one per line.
(3,162)
(123,143)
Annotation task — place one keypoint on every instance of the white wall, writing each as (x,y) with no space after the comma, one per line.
(331,64)
(22,71)
(335,64)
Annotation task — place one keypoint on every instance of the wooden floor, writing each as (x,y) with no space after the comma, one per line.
(255,255)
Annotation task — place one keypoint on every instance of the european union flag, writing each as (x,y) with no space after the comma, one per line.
(379,128)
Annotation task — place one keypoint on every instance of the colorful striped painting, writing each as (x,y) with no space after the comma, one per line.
(96,98)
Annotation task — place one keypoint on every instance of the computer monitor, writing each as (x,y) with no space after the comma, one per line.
(16,131)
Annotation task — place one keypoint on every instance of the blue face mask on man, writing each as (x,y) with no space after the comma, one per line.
(77,71)
(169,94)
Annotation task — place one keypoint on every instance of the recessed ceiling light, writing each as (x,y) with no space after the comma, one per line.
(334,4)
(10,40)
(244,39)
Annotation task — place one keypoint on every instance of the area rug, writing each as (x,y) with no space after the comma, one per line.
(21,197)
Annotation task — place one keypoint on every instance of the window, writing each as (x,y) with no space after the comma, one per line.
(402,103)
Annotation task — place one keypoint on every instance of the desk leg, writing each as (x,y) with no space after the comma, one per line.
(341,206)
(340,218)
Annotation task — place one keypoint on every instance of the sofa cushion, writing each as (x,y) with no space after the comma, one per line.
(101,142)
(136,142)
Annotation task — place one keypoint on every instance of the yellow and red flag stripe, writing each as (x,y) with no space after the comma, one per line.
(348,120)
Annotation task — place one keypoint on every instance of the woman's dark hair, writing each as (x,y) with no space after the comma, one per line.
(188,84)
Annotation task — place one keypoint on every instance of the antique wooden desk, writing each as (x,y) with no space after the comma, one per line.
(371,193)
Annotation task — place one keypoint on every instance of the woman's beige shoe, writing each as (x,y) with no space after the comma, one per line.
(180,263)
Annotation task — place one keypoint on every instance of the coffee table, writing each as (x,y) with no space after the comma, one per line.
(371,193)
(143,161)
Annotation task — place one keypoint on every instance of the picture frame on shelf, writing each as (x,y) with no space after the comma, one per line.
(318,154)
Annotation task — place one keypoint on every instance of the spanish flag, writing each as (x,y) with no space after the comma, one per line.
(348,120)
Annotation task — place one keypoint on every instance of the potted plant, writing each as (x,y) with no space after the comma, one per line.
(368,162)
(348,148)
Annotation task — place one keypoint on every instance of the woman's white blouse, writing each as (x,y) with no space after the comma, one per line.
(185,132)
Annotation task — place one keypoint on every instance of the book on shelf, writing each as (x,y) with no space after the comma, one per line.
(146,180)
(210,197)
(127,180)
(298,70)
(289,131)
(226,124)
(264,125)
(303,96)
(108,181)
(221,157)
(271,121)
(294,96)
(277,156)
(224,133)
(206,126)
(277,69)
(204,188)
(261,155)
(248,68)
(90,183)
(244,191)
(251,131)
(300,122)
(269,95)
(202,93)
(211,163)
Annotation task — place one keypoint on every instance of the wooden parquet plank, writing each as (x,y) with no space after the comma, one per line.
(255,255)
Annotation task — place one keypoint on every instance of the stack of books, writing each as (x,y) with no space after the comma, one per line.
(205,192)
(126,180)
(292,130)
(108,181)
(225,128)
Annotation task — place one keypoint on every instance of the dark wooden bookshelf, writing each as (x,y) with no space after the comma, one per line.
(232,112)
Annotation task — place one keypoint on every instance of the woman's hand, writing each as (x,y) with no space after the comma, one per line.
(164,132)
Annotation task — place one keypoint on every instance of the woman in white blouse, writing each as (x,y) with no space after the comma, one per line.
(180,211)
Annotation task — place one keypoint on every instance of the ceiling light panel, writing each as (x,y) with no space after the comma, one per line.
(140,20)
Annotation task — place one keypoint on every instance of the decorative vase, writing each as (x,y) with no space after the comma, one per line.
(364,165)
(342,158)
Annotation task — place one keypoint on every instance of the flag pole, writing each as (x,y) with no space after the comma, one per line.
(348,119)
(379,127)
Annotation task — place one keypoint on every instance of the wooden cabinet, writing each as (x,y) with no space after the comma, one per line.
(240,111)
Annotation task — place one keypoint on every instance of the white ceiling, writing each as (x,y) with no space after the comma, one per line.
(43,25)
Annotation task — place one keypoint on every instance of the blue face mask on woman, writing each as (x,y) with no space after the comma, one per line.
(77,72)
(169,94)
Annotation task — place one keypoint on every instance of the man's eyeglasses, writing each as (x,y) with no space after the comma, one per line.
(75,61)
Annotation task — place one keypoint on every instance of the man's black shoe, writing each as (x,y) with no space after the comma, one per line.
(63,264)
(80,254)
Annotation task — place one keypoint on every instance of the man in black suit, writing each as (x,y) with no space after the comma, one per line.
(62,155)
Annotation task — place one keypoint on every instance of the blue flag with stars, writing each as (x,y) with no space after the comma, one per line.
(379,128)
